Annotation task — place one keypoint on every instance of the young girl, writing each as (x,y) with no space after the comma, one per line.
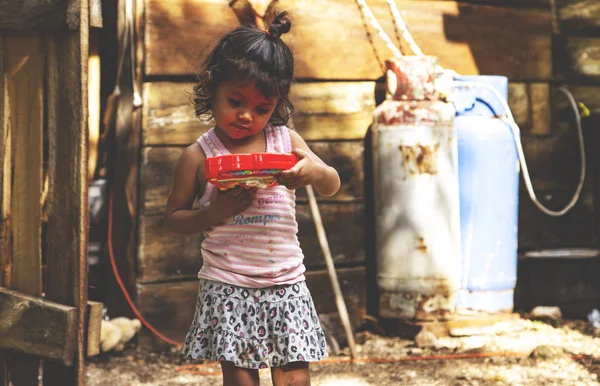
(254,309)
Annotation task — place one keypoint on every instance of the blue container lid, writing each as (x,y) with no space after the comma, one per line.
(480,101)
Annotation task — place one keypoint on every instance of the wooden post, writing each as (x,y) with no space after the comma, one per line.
(68,213)
(4,195)
(24,59)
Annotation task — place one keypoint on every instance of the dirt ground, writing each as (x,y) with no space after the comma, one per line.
(542,353)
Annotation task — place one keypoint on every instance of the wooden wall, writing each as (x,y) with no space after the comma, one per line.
(338,77)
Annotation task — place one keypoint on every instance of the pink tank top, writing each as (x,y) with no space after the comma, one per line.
(259,247)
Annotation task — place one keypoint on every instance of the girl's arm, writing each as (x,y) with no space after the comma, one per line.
(187,185)
(310,170)
(189,182)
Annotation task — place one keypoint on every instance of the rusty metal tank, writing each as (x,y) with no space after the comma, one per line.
(417,225)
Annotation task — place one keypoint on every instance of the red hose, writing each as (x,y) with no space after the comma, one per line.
(120,282)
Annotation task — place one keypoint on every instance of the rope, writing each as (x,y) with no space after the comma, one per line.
(366,11)
(401,25)
(120,282)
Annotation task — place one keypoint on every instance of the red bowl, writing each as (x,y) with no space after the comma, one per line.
(249,170)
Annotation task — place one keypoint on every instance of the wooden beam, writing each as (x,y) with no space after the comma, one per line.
(577,58)
(24,57)
(5,168)
(5,177)
(33,14)
(578,17)
(164,256)
(330,41)
(325,110)
(21,330)
(170,306)
(67,232)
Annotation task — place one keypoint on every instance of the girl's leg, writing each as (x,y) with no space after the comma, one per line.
(237,376)
(292,374)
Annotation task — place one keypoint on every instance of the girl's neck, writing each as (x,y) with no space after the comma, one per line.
(252,144)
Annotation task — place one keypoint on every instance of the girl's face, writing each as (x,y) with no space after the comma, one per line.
(240,110)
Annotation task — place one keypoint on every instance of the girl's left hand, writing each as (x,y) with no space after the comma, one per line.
(305,172)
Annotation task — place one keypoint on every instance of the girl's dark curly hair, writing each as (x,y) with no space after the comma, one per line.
(248,54)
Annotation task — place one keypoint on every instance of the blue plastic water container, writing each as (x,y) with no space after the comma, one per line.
(488,170)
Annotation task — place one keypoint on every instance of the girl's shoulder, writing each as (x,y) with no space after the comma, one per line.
(192,160)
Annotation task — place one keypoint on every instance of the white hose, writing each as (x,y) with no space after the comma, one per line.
(509,119)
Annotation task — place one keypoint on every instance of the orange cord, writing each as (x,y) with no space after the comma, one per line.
(120,282)
(205,369)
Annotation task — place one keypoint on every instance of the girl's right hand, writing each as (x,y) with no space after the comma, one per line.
(230,202)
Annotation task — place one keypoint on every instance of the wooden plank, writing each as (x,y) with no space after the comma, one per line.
(577,58)
(25,87)
(21,330)
(96,13)
(67,231)
(94,314)
(33,14)
(333,110)
(347,158)
(553,161)
(529,104)
(520,52)
(564,282)
(164,256)
(170,306)
(158,164)
(324,110)
(5,168)
(5,178)
(578,16)
(538,230)
(345,227)
(25,95)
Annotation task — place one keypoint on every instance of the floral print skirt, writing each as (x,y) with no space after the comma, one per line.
(255,327)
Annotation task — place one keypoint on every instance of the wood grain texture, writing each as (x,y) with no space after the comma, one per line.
(21,330)
(67,232)
(324,110)
(24,76)
(469,38)
(577,58)
(25,83)
(578,16)
(33,14)
(5,168)
(575,229)
(164,256)
(5,181)
(170,306)
(530,106)
(571,284)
